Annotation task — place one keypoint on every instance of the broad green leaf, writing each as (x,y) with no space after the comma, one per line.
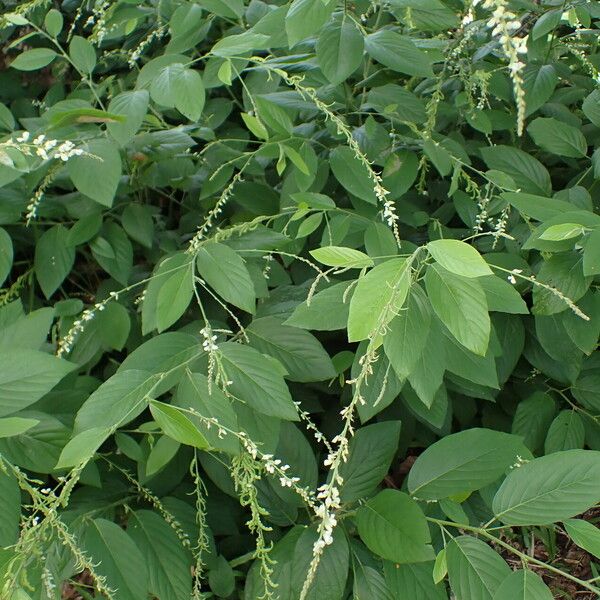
(406,337)
(501,296)
(138,224)
(393,526)
(591,254)
(460,303)
(120,399)
(537,207)
(163,271)
(546,23)
(53,22)
(339,50)
(474,569)
(337,256)
(330,579)
(256,382)
(177,425)
(305,18)
(533,418)
(237,45)
(549,489)
(177,86)
(6,255)
(371,452)
(585,534)
(565,433)
(97,173)
(377,298)
(53,260)
(118,559)
(352,173)
(462,462)
(10,426)
(328,310)
(564,231)
(529,174)
(82,447)
(413,581)
(539,83)
(113,252)
(32,60)
(161,454)
(225,271)
(591,107)
(302,355)
(133,105)
(26,376)
(459,258)
(10,508)
(398,52)
(369,584)
(232,9)
(169,564)
(210,402)
(82,54)
(174,297)
(525,584)
(557,137)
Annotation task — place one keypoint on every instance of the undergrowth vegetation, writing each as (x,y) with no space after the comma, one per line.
(299,299)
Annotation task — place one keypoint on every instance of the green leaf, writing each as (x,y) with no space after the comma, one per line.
(10,508)
(405,340)
(255,126)
(115,253)
(339,50)
(352,173)
(133,105)
(82,447)
(305,18)
(532,419)
(565,433)
(118,559)
(209,401)
(120,399)
(537,207)
(462,462)
(177,425)
(54,259)
(26,376)
(177,86)
(138,224)
(546,23)
(501,296)
(398,52)
(459,258)
(6,255)
(169,564)
(523,583)
(16,426)
(331,575)
(232,9)
(591,107)
(474,569)
(301,354)
(369,584)
(225,271)
(53,22)
(549,489)
(557,137)
(337,256)
(82,54)
(393,526)
(97,174)
(256,382)
(586,535)
(440,567)
(378,297)
(564,231)
(413,581)
(240,44)
(174,297)
(370,455)
(32,60)
(162,453)
(529,174)
(591,254)
(460,303)
(539,83)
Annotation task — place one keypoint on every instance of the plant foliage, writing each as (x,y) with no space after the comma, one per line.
(299,299)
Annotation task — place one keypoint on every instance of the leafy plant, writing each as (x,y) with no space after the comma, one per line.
(300,299)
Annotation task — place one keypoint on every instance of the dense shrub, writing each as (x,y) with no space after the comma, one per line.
(299,299)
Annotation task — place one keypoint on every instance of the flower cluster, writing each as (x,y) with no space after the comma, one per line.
(504,24)
(208,344)
(43,147)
